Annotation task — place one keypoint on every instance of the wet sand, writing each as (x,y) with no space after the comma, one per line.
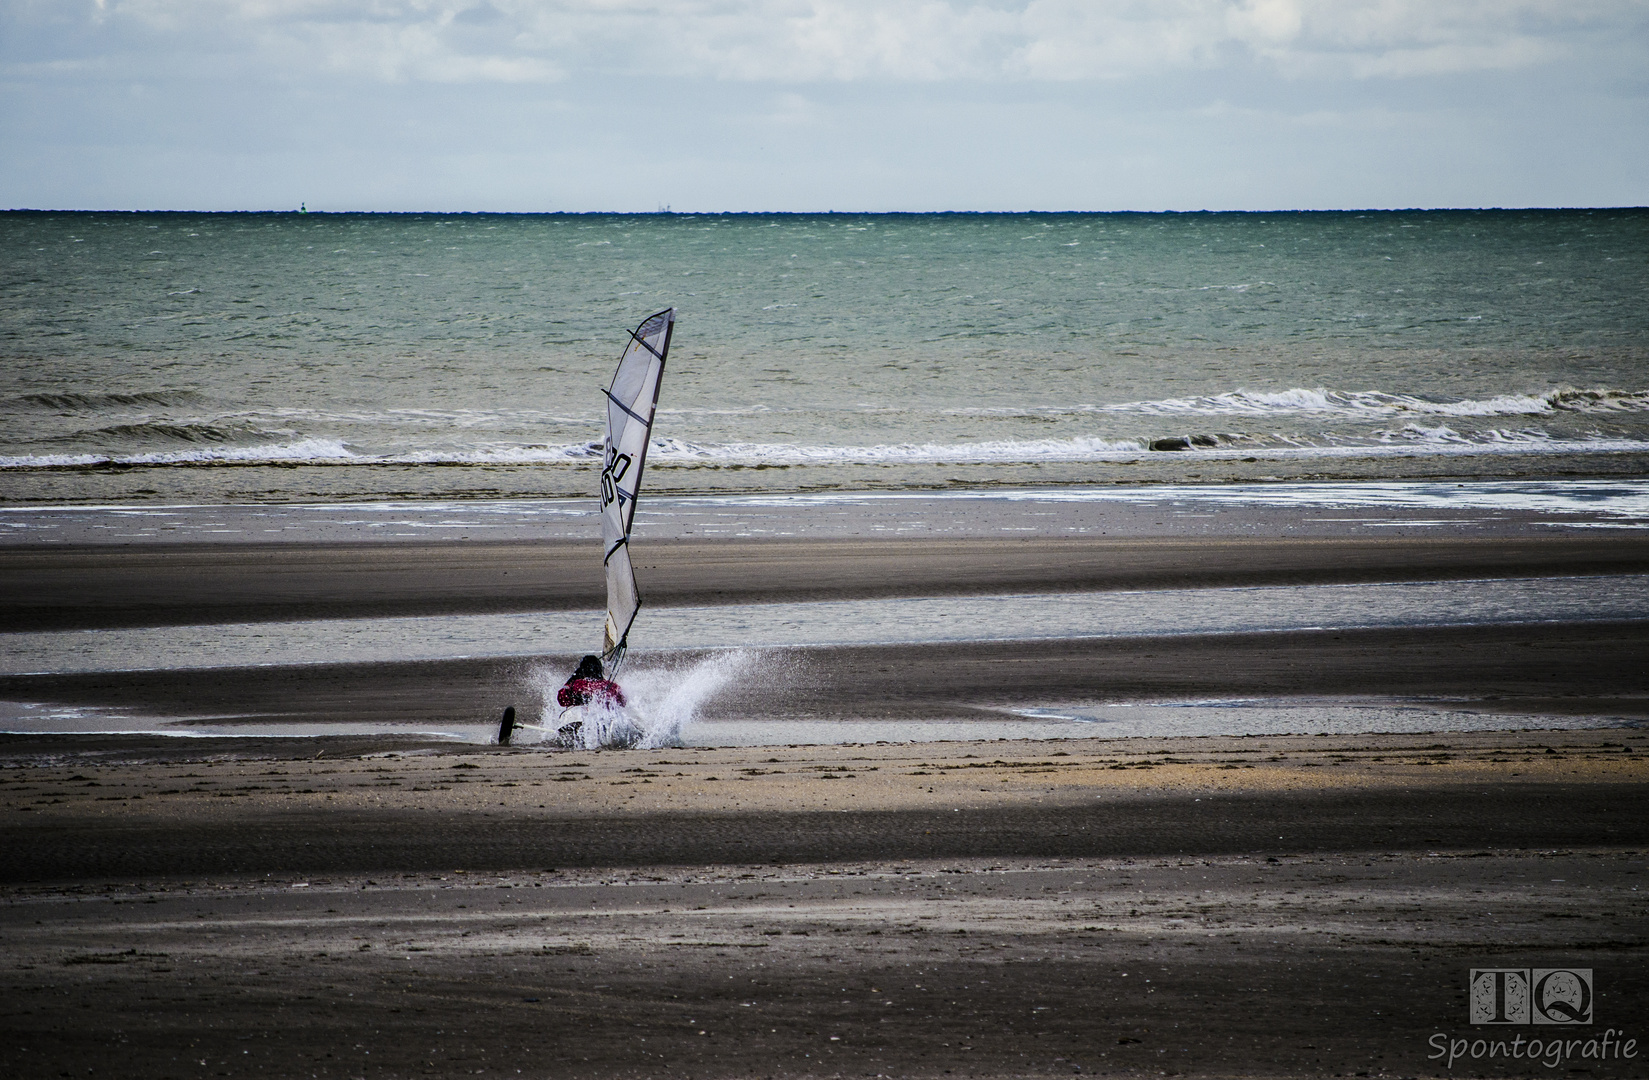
(1208,907)
(1567,668)
(64,588)
(1587,669)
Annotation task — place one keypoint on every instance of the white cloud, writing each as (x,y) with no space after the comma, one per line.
(1397,38)
(811,104)
(1269,21)
(415,51)
(801,41)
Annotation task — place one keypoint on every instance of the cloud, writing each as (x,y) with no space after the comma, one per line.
(1069,39)
(401,51)
(803,41)
(1400,38)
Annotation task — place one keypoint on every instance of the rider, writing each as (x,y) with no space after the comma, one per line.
(588,687)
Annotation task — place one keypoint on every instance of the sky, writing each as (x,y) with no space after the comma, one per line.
(813,105)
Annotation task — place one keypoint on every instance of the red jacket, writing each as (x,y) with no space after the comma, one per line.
(589,691)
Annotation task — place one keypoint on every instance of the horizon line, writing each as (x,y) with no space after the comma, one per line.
(666,211)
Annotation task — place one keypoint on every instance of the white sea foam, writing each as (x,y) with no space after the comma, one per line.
(675,453)
(327,450)
(1407,440)
(1375,404)
(1343,404)
(1307,422)
(505,455)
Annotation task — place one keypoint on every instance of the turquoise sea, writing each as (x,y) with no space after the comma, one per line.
(235,357)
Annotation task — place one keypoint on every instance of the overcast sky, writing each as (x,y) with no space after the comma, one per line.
(709,105)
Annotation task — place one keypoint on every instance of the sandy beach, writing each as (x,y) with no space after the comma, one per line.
(1252,907)
(1064,638)
(400,905)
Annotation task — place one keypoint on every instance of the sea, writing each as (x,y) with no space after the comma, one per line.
(281,357)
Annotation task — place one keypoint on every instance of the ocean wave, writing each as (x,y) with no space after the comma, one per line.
(504,455)
(663,451)
(79,402)
(316,451)
(1442,433)
(682,453)
(319,450)
(1599,400)
(1375,404)
(1410,439)
(679,452)
(162,432)
(1354,404)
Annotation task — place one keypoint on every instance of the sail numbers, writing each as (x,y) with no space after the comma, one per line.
(610,476)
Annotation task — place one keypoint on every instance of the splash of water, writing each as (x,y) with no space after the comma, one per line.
(664,699)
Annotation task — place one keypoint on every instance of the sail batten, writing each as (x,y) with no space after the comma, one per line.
(632,400)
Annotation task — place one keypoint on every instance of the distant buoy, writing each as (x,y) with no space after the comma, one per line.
(302,209)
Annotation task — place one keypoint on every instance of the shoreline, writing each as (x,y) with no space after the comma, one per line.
(230,482)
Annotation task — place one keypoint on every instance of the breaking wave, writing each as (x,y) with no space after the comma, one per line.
(1374,404)
(1294,423)
(304,450)
(664,451)
(676,451)
(504,455)
(680,454)
(1409,438)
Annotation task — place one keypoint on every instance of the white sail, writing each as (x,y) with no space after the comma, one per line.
(630,404)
